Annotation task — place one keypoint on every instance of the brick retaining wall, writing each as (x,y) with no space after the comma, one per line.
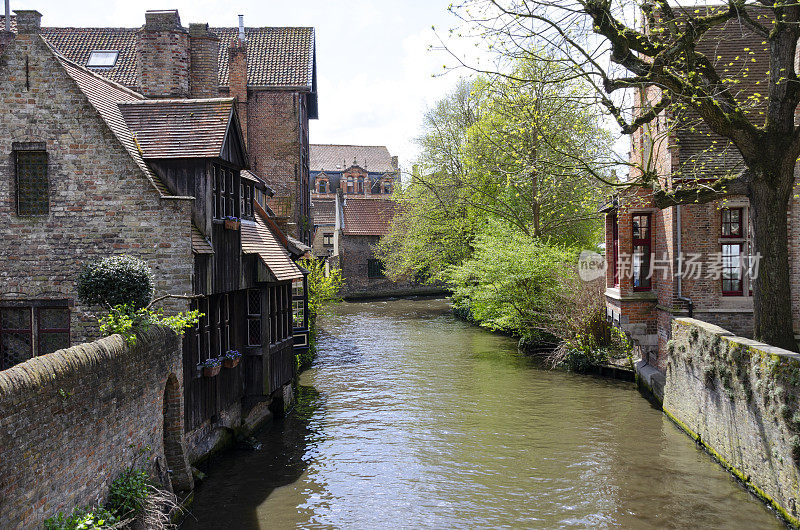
(73,420)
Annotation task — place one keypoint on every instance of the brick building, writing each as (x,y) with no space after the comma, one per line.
(671,242)
(364,170)
(90,168)
(271,72)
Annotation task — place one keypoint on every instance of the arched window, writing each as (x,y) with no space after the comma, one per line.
(323,184)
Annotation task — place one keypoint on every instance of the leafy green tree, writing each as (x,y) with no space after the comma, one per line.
(657,48)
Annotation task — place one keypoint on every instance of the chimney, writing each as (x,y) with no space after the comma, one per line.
(28,21)
(204,62)
(162,56)
(395,163)
(237,75)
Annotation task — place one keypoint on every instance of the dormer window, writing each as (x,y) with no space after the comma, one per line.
(102,58)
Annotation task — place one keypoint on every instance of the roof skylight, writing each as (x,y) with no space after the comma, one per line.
(102,58)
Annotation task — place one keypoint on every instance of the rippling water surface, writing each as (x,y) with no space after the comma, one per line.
(412,418)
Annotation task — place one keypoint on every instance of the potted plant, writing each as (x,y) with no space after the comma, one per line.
(231,359)
(211,367)
(232,223)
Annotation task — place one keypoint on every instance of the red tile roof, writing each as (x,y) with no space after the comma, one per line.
(367,217)
(330,157)
(257,238)
(179,128)
(323,211)
(276,57)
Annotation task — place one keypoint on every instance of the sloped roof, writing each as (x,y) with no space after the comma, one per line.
(323,211)
(258,239)
(77,43)
(373,158)
(179,128)
(276,57)
(367,217)
(736,51)
(105,96)
(200,245)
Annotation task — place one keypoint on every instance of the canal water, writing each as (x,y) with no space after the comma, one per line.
(411,418)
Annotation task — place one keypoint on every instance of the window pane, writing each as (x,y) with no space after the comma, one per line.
(15,318)
(32,188)
(641,267)
(14,349)
(254,332)
(105,58)
(54,318)
(50,342)
(253,302)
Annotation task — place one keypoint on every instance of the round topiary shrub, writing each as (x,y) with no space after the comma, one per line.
(116,280)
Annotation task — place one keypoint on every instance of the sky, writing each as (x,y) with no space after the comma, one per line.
(375,69)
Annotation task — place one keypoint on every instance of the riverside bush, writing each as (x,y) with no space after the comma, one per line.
(128,492)
(82,519)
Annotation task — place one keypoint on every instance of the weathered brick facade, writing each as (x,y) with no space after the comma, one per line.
(162,56)
(74,420)
(100,202)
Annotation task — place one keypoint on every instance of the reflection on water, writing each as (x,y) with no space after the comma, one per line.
(412,418)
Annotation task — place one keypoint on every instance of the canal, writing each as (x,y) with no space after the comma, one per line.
(413,418)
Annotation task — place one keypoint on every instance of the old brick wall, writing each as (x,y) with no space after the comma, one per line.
(274,147)
(162,56)
(100,202)
(738,398)
(73,420)
(354,252)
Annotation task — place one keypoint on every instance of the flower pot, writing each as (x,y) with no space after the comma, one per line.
(231,363)
(232,224)
(211,371)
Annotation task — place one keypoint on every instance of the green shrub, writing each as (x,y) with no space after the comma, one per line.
(126,321)
(116,280)
(128,492)
(82,519)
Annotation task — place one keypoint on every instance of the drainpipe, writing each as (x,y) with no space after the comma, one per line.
(680,266)
(8,15)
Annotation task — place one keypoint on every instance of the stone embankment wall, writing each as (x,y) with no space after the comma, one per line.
(741,400)
(73,420)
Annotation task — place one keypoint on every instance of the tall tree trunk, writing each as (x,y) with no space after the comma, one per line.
(772,302)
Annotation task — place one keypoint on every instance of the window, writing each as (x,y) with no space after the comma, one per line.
(349,184)
(32,189)
(641,252)
(53,329)
(224,190)
(733,245)
(612,218)
(322,186)
(375,268)
(732,269)
(731,222)
(360,185)
(18,342)
(246,194)
(327,240)
(254,317)
(298,304)
(102,58)
(387,186)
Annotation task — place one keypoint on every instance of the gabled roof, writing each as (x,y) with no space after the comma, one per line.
(252,176)
(367,217)
(330,157)
(180,128)
(323,211)
(105,96)
(276,57)
(257,238)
